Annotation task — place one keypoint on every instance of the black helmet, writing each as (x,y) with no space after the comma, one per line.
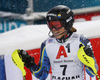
(61,13)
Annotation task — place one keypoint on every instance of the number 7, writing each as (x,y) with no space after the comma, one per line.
(64,70)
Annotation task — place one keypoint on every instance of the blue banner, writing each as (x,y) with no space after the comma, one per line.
(10,24)
(2,68)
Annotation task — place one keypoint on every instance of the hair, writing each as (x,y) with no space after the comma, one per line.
(72,29)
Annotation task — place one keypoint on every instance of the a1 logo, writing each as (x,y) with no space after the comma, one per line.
(61,52)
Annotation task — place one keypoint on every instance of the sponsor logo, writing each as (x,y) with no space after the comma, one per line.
(68,11)
(63,61)
(69,19)
(49,18)
(51,14)
(85,58)
(66,78)
(50,40)
(59,15)
(10,25)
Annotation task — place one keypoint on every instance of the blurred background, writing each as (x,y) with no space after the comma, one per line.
(17,13)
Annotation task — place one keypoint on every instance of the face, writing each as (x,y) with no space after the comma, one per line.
(57,29)
(58,33)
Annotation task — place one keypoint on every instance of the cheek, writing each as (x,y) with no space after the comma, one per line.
(62,30)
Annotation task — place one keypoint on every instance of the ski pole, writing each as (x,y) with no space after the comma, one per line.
(24,78)
(97,76)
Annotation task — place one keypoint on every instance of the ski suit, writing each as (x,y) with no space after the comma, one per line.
(61,56)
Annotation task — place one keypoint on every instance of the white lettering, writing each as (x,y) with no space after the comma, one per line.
(69,19)
(68,11)
(12,24)
(51,14)
(66,78)
(7,26)
(1,26)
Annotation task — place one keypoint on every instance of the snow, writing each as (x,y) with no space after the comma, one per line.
(31,36)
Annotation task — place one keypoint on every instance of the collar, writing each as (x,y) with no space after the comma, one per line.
(64,38)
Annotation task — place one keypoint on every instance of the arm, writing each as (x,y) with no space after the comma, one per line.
(41,70)
(21,58)
(89,51)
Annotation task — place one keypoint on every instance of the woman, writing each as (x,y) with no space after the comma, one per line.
(60,50)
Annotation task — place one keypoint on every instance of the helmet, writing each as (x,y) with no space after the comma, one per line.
(63,14)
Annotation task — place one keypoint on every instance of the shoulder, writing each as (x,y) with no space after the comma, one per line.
(81,36)
(47,41)
(74,36)
(84,39)
(50,40)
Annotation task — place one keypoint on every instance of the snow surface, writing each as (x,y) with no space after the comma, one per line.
(31,36)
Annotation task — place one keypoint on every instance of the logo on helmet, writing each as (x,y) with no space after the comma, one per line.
(51,14)
(68,11)
(59,15)
(69,19)
(49,18)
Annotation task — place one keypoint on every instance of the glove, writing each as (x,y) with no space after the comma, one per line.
(86,56)
(26,58)
(85,59)
(21,58)
(18,61)
(88,51)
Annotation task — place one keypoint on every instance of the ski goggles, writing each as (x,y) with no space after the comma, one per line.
(54,24)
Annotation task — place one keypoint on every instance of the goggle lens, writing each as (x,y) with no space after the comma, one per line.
(54,24)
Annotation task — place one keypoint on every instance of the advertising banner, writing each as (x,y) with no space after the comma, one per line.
(10,24)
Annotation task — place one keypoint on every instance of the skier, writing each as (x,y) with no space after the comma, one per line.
(60,50)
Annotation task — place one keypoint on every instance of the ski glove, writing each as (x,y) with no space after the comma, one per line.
(87,50)
(26,58)
(85,55)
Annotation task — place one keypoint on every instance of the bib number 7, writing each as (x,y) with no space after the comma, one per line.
(64,69)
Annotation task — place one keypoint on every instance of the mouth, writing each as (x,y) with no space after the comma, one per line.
(56,33)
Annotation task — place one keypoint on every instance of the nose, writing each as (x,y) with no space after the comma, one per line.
(53,28)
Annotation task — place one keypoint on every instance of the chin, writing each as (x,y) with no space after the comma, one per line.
(58,37)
